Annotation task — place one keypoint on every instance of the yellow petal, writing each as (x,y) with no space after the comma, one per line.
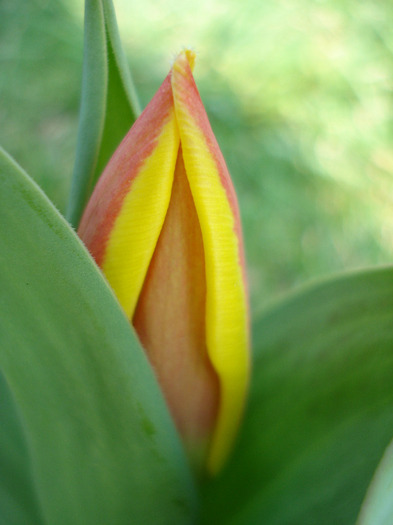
(227,332)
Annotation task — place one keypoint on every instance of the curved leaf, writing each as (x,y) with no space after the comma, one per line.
(18,502)
(320,411)
(377,508)
(102,445)
(109,103)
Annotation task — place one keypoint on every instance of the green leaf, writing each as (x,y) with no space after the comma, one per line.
(320,410)
(102,446)
(377,508)
(109,103)
(18,502)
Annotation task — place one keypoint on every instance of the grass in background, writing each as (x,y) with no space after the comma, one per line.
(299,94)
(40,64)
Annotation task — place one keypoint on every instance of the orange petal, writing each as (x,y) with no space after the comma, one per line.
(170,321)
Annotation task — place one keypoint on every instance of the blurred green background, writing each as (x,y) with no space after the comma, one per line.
(299,93)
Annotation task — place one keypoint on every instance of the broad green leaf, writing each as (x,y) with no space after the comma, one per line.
(109,104)
(18,502)
(102,446)
(377,508)
(320,409)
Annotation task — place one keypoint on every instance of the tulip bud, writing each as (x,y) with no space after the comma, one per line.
(163,224)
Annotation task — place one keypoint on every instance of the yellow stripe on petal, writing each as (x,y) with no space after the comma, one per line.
(226,297)
(134,236)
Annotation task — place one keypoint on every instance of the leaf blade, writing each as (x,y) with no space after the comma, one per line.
(109,104)
(377,508)
(18,501)
(316,423)
(101,440)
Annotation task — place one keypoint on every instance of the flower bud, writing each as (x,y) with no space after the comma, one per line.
(163,225)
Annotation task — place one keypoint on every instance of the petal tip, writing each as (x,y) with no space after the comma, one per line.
(185,56)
